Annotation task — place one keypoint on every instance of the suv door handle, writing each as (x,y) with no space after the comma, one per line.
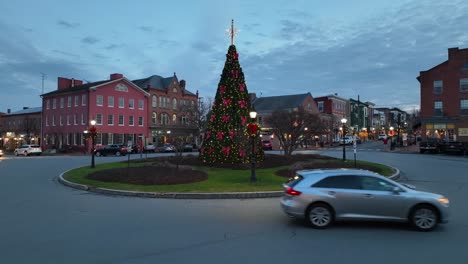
(331,192)
(367,195)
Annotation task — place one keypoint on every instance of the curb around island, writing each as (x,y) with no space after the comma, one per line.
(176,195)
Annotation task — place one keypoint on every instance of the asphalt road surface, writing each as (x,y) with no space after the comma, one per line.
(43,221)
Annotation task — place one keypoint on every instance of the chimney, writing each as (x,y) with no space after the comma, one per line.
(452,52)
(63,83)
(182,85)
(25,107)
(8,111)
(115,76)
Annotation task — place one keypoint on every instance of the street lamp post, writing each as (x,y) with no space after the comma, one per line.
(253,177)
(343,122)
(92,134)
(391,139)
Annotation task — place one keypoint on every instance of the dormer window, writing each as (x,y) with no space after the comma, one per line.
(174,90)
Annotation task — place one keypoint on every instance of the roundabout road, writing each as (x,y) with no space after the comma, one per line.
(43,221)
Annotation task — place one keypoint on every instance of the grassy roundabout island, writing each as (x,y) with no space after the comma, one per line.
(161,175)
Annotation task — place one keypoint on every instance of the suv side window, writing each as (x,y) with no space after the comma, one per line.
(375,184)
(339,182)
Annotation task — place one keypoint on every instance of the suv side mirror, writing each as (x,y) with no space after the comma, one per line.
(396,190)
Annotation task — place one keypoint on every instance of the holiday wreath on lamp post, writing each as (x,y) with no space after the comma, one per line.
(253,129)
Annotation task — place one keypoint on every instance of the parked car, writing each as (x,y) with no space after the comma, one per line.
(454,147)
(383,136)
(432,145)
(27,150)
(132,149)
(150,147)
(187,148)
(324,196)
(112,149)
(167,148)
(357,140)
(348,140)
(266,145)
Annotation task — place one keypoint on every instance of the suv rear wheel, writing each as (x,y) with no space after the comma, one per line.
(117,153)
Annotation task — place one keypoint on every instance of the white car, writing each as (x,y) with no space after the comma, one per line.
(27,150)
(348,140)
(383,136)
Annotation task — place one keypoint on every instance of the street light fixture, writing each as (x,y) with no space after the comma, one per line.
(92,133)
(253,135)
(343,122)
(391,138)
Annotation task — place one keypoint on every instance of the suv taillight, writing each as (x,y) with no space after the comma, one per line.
(292,192)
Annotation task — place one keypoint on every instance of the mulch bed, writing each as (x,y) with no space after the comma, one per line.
(163,172)
(150,175)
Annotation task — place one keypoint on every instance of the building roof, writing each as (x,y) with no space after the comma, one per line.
(30,110)
(157,82)
(332,96)
(282,102)
(83,87)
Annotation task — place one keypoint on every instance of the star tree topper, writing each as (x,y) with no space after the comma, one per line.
(232,32)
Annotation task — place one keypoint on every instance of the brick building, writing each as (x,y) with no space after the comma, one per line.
(20,127)
(265,106)
(444,98)
(336,108)
(119,107)
(171,109)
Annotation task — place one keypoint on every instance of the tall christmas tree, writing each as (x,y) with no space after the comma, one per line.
(231,136)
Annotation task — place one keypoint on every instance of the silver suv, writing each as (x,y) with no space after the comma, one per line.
(323,196)
(27,150)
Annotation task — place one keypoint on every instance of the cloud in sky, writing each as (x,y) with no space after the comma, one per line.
(367,49)
(90,40)
(67,24)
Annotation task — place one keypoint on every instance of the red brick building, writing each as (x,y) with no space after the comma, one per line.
(171,109)
(444,98)
(119,107)
(336,108)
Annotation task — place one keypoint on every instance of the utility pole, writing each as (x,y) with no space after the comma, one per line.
(43,75)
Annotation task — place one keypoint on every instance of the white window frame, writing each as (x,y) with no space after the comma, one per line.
(131,103)
(121,102)
(54,103)
(83,99)
(69,101)
(141,121)
(110,120)
(141,104)
(131,120)
(99,100)
(77,100)
(110,101)
(121,120)
(98,119)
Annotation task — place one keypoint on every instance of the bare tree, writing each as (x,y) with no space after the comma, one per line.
(289,126)
(196,115)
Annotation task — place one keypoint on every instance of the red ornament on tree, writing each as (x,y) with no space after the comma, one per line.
(234,73)
(252,129)
(220,135)
(242,87)
(226,118)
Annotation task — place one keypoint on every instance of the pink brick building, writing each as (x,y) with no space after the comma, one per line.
(119,107)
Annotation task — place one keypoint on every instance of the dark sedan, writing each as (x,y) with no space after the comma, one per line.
(113,149)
